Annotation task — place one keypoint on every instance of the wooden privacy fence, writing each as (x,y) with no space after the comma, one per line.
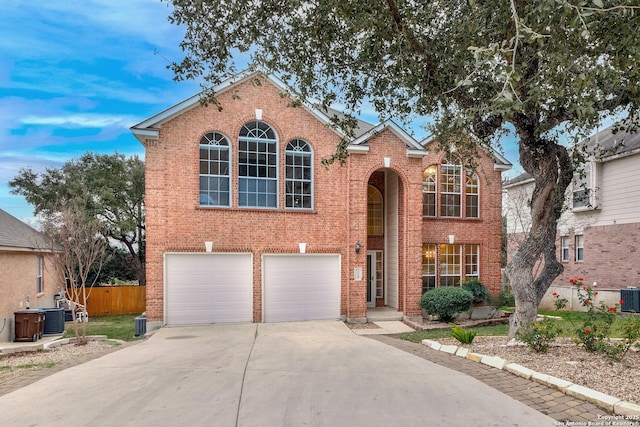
(116,300)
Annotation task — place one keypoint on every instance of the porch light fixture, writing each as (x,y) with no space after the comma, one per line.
(358,247)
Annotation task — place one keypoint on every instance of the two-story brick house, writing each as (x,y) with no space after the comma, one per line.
(245,224)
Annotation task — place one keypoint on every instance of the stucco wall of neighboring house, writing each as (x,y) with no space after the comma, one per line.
(18,281)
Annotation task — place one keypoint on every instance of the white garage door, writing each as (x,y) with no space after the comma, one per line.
(208,288)
(301,287)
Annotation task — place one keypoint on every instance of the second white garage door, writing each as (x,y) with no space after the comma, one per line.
(301,287)
(208,288)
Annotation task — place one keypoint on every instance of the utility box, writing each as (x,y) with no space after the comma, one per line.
(28,324)
(630,300)
(53,320)
(141,325)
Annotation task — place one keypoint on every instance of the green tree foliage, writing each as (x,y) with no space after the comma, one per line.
(116,186)
(478,67)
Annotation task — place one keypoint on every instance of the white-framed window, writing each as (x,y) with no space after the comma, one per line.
(584,192)
(214,170)
(564,248)
(257,166)
(442,264)
(472,261)
(375,213)
(298,175)
(39,284)
(429,255)
(445,194)
(472,207)
(579,247)
(429,185)
(450,265)
(451,187)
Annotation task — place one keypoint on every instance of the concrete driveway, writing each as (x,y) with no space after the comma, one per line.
(278,374)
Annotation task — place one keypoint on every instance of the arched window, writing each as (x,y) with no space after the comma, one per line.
(214,170)
(375,217)
(472,207)
(298,175)
(429,191)
(450,187)
(257,166)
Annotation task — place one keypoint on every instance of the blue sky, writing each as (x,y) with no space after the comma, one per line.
(74,76)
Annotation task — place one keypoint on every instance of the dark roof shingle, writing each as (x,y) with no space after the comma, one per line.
(16,234)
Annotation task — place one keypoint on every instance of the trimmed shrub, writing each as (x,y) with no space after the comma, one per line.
(446,302)
(479,291)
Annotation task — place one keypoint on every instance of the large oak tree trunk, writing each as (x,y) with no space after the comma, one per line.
(549,165)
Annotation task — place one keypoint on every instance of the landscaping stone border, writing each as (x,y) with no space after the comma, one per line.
(603,401)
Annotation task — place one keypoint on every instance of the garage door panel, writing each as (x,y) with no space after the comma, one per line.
(208,288)
(301,287)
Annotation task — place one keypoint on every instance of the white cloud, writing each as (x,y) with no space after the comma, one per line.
(80,120)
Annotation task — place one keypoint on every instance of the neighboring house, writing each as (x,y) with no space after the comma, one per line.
(27,275)
(291,239)
(599,233)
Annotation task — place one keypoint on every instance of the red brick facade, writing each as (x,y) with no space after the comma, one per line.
(177,223)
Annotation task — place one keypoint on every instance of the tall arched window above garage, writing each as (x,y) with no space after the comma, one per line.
(429,191)
(298,175)
(257,166)
(451,187)
(214,170)
(472,197)
(375,217)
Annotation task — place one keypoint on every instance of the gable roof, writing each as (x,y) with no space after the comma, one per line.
(16,235)
(609,145)
(148,129)
(614,145)
(360,144)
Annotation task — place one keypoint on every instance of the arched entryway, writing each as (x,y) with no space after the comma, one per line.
(385,242)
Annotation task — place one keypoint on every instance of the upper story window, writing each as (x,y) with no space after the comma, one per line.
(429,191)
(214,170)
(443,190)
(375,217)
(450,187)
(299,175)
(257,166)
(472,208)
(584,187)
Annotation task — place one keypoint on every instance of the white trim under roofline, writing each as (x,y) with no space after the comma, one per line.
(414,148)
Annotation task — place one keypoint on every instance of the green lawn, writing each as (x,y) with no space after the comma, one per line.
(114,327)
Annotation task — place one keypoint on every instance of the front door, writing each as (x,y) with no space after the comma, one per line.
(374,277)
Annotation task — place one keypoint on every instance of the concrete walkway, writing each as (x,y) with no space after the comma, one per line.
(284,374)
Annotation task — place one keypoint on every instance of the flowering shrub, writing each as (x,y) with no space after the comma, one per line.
(560,303)
(539,335)
(595,331)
